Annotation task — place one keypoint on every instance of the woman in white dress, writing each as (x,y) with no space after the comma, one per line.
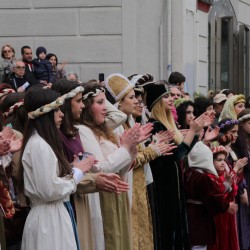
(48,177)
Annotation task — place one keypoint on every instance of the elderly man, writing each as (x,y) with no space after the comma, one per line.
(18,79)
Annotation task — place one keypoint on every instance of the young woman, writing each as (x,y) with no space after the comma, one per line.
(201,105)
(172,225)
(87,207)
(122,91)
(14,112)
(59,73)
(115,156)
(232,107)
(242,148)
(48,177)
(15,116)
(185,112)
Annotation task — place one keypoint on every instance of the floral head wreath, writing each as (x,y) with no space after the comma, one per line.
(73,93)
(219,150)
(55,104)
(13,108)
(46,108)
(92,93)
(244,117)
(5,92)
(229,122)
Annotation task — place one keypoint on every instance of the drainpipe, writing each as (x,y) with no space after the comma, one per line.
(165,40)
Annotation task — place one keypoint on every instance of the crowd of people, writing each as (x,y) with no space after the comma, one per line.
(127,163)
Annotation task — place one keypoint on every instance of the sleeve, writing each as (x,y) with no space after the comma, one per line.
(49,68)
(113,163)
(40,173)
(213,196)
(88,184)
(114,117)
(145,155)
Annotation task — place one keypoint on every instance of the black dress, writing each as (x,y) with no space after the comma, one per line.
(171,222)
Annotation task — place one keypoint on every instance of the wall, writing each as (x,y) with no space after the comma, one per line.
(87,34)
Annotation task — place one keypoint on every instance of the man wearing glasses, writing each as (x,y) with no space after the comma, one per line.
(18,79)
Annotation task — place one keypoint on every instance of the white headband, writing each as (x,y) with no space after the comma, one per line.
(92,93)
(244,117)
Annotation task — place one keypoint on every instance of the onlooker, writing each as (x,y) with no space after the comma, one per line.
(175,93)
(43,67)
(227,92)
(58,73)
(18,80)
(8,55)
(27,58)
(219,101)
(232,107)
(201,105)
(177,79)
(73,76)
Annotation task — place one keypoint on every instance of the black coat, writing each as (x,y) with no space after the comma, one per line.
(16,82)
(172,229)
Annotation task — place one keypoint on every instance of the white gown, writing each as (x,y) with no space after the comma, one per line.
(48,225)
(111,159)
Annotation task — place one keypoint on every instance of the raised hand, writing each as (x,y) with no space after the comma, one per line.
(197,124)
(85,164)
(233,208)
(209,118)
(15,145)
(7,133)
(240,164)
(110,182)
(211,134)
(130,138)
(165,149)
(229,177)
(4,147)
(145,131)
(164,136)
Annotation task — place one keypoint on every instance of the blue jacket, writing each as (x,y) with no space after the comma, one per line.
(43,70)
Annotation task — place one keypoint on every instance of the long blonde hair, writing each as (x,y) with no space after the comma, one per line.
(159,113)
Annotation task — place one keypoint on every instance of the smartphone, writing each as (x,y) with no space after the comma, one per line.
(82,156)
(101,77)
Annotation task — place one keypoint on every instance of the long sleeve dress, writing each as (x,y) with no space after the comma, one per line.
(226,225)
(115,211)
(171,223)
(48,225)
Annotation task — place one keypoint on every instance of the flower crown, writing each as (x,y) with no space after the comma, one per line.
(92,93)
(244,117)
(229,122)
(218,150)
(13,108)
